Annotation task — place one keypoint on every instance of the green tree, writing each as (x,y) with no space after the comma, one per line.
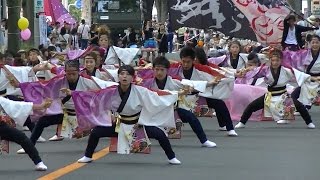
(75,12)
(14,7)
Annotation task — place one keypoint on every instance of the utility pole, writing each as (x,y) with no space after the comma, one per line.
(309,7)
(14,8)
(162,10)
(146,7)
(4,13)
(38,7)
(86,11)
(1,9)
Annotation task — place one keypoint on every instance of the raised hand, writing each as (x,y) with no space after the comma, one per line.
(12,80)
(66,91)
(47,103)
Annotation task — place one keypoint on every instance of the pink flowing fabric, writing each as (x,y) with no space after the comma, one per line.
(241,97)
(56,10)
(91,107)
(60,70)
(145,73)
(295,59)
(147,83)
(217,60)
(37,92)
(74,54)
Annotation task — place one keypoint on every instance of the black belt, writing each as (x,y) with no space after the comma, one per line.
(71,112)
(3,92)
(274,90)
(127,116)
(314,74)
(193,93)
(270,89)
(15,97)
(129,122)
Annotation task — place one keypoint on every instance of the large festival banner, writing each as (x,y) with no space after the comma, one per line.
(258,20)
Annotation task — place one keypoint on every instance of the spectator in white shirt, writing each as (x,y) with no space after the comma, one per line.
(292,38)
(83,34)
(301,21)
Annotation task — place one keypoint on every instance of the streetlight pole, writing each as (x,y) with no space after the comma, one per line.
(309,7)
(38,7)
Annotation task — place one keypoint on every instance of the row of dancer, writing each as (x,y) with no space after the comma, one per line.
(72,80)
(188,70)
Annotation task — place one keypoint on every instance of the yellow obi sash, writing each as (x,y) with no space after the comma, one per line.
(273,91)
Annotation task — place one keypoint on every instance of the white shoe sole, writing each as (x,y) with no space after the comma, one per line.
(283,122)
(41,169)
(222,129)
(21,152)
(84,161)
(56,139)
(204,146)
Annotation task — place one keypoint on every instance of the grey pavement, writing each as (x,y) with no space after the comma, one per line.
(263,151)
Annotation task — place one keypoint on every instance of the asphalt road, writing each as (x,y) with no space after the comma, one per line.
(263,151)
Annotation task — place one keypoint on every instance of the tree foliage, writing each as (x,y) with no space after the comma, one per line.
(75,12)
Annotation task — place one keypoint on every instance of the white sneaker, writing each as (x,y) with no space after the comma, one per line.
(84,159)
(232,133)
(283,122)
(41,140)
(56,138)
(240,125)
(209,144)
(41,167)
(174,161)
(224,128)
(21,151)
(25,128)
(311,126)
(214,114)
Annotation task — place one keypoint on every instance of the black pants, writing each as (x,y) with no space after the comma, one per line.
(252,107)
(300,107)
(291,47)
(152,132)
(29,124)
(259,104)
(14,135)
(189,117)
(222,112)
(44,122)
